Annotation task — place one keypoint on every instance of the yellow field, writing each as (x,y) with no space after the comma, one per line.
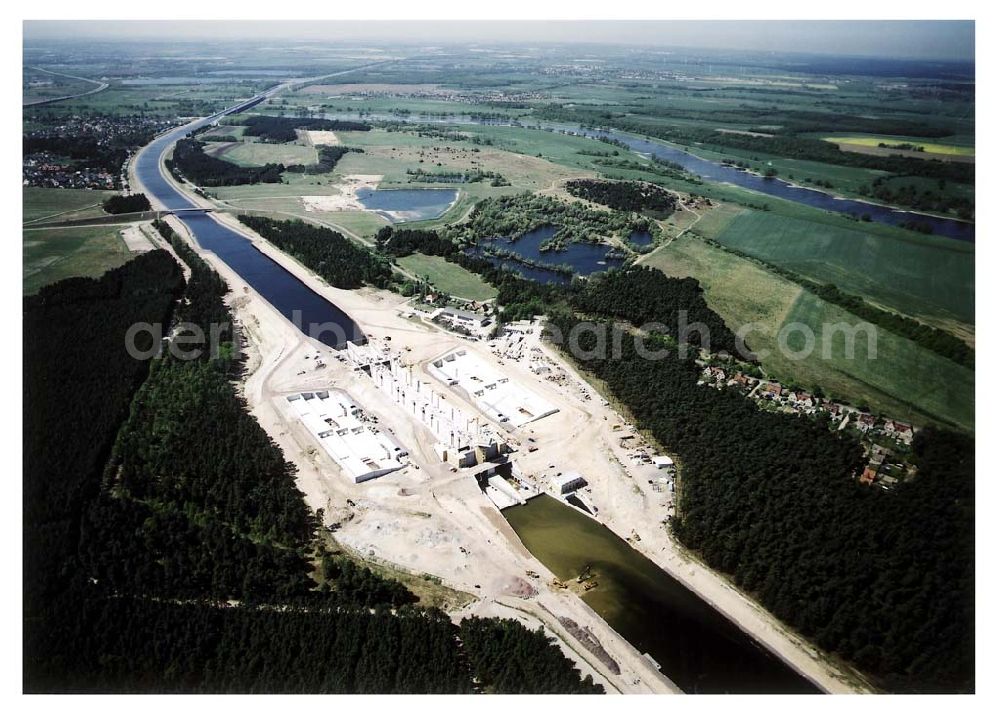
(929,147)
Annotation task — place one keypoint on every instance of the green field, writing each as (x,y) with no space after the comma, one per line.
(903,380)
(448,277)
(919,275)
(39,203)
(258,154)
(52,254)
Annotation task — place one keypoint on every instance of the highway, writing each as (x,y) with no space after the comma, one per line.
(50,100)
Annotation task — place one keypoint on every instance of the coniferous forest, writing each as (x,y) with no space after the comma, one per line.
(884,579)
(167,548)
(123,203)
(625,196)
(330,254)
(190,159)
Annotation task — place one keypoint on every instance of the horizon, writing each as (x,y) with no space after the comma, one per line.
(950,41)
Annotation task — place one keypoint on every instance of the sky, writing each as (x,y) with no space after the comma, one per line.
(931,39)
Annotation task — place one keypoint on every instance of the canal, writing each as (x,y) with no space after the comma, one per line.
(313,315)
(697,647)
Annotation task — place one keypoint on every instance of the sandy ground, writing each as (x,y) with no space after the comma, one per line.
(347,199)
(319,137)
(135,239)
(430,520)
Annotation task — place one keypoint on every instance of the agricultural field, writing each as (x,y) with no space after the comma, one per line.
(922,276)
(930,148)
(51,204)
(448,277)
(902,380)
(52,254)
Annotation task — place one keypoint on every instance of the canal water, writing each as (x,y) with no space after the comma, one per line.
(713,171)
(698,648)
(312,314)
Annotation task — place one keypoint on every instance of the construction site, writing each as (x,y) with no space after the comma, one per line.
(413,443)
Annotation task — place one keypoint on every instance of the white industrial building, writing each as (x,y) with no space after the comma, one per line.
(663,462)
(497,396)
(362,451)
(567,483)
(462,440)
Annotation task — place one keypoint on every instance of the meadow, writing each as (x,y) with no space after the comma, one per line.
(45,203)
(49,255)
(258,154)
(448,277)
(918,275)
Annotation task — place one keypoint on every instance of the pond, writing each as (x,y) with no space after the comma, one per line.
(641,239)
(407,205)
(583,258)
(697,647)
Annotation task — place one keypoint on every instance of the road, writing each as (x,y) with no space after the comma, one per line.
(101,86)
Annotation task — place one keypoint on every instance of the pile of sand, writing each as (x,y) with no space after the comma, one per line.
(321,137)
(346,196)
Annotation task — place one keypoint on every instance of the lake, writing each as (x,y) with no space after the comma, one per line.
(584,258)
(407,205)
(697,647)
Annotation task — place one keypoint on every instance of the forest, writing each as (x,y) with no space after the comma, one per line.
(515,215)
(641,295)
(883,579)
(640,197)
(122,204)
(282,129)
(174,553)
(338,260)
(328,157)
(490,643)
(404,242)
(190,159)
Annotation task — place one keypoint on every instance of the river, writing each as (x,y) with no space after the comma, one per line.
(697,647)
(712,171)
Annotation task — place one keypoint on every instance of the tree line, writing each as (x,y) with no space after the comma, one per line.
(334,257)
(937,340)
(282,129)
